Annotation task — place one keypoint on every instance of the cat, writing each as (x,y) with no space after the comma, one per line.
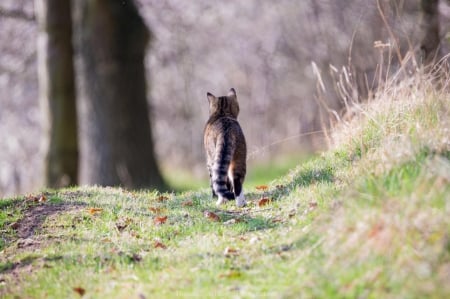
(226,149)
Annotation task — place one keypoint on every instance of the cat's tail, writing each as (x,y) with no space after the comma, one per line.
(220,181)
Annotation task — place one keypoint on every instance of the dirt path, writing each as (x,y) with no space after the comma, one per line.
(35,217)
(32,221)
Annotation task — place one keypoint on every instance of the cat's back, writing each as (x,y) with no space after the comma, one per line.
(223,130)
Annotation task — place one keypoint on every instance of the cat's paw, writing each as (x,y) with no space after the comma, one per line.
(221,201)
(240,200)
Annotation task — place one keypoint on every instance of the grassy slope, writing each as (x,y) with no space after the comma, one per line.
(366,219)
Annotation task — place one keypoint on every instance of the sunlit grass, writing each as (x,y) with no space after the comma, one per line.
(260,172)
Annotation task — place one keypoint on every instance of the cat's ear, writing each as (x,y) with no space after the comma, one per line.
(210,97)
(231,93)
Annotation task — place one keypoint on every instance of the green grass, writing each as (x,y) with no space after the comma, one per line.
(259,173)
(367,219)
(183,180)
(262,173)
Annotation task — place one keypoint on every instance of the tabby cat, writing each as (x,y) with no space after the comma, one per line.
(226,150)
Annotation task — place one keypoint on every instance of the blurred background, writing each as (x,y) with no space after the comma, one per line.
(271,52)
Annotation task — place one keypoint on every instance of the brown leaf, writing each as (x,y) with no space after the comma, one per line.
(160,220)
(95,211)
(162,198)
(123,223)
(32,198)
(276,220)
(313,205)
(79,291)
(211,216)
(15,225)
(135,235)
(42,198)
(263,201)
(279,187)
(229,251)
(155,210)
(158,244)
(262,187)
(375,230)
(187,203)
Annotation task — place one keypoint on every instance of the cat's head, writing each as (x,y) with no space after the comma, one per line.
(223,106)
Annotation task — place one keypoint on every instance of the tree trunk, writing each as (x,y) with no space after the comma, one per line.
(430,25)
(116,138)
(57,92)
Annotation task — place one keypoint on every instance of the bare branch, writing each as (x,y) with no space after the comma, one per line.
(16,14)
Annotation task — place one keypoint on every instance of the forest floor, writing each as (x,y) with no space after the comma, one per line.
(367,219)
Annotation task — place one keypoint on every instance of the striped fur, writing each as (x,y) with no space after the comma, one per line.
(225,147)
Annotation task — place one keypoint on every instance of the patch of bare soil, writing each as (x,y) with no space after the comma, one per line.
(34,218)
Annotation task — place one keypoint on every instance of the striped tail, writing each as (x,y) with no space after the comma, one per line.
(220,180)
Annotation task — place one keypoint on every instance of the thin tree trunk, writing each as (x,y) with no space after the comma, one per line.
(57,92)
(430,25)
(117,145)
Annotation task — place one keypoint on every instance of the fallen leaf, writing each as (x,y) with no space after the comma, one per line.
(229,251)
(94,211)
(263,201)
(276,220)
(158,244)
(162,198)
(313,205)
(135,235)
(187,203)
(211,216)
(376,229)
(155,210)
(292,213)
(42,198)
(15,225)
(23,243)
(123,223)
(262,187)
(31,197)
(121,226)
(79,291)
(160,220)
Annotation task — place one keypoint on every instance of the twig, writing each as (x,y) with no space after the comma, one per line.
(16,14)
